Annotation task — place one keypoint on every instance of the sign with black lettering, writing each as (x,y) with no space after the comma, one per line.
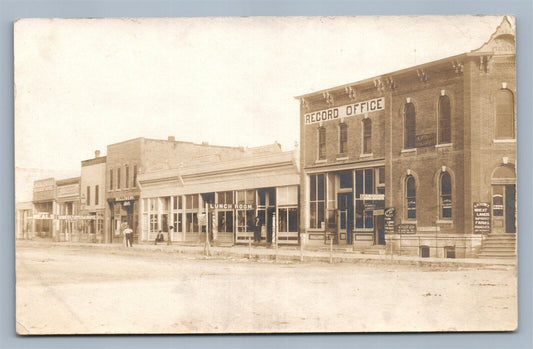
(482,217)
(358,108)
(407,228)
(425,140)
(389,214)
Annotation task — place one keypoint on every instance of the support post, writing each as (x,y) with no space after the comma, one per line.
(330,250)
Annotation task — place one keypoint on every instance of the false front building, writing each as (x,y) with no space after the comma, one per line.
(257,191)
(421,160)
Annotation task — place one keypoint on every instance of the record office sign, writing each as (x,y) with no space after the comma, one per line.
(344,111)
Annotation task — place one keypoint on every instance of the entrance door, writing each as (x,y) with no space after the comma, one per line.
(504,208)
(345,218)
(379,239)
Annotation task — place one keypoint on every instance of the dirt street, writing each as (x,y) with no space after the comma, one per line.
(74,290)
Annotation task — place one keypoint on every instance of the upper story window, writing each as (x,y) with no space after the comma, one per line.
(409,115)
(445,195)
(127,173)
(504,115)
(88,195)
(118,178)
(321,143)
(343,138)
(96,194)
(410,196)
(111,179)
(134,176)
(367,136)
(445,122)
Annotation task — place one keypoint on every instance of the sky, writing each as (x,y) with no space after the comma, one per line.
(81,84)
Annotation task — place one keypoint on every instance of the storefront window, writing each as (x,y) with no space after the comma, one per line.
(177,222)
(364,209)
(153,223)
(192,201)
(192,222)
(317,202)
(225,221)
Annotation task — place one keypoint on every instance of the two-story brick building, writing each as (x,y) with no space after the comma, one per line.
(421,160)
(126,160)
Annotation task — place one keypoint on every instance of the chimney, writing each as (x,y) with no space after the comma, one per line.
(172,138)
(205,143)
(97,153)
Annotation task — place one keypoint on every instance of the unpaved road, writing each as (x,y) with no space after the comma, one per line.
(74,290)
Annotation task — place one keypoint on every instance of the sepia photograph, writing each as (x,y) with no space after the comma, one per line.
(240,175)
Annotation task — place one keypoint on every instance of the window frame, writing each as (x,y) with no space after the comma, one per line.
(409,140)
(367,136)
(444,121)
(498,115)
(321,155)
(343,138)
(408,196)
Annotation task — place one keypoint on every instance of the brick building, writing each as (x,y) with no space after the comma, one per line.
(93,203)
(420,160)
(126,160)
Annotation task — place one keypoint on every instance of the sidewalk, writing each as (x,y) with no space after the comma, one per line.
(287,253)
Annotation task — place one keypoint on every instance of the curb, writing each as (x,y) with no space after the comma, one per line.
(288,255)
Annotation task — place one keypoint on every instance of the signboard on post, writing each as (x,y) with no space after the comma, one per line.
(482,217)
(389,214)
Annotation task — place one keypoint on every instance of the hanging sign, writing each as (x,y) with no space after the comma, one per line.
(389,216)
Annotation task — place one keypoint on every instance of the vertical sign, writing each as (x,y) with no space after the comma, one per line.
(481,217)
(389,220)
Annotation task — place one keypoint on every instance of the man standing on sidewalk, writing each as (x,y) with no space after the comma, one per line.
(128,233)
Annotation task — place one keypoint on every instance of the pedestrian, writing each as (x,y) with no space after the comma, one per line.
(257,229)
(128,235)
(159,238)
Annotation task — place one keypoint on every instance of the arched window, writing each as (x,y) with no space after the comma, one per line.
(445,195)
(445,130)
(504,115)
(343,138)
(409,125)
(321,143)
(367,136)
(410,191)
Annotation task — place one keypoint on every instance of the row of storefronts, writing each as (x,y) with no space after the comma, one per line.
(420,161)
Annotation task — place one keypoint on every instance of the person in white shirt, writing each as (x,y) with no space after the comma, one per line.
(128,233)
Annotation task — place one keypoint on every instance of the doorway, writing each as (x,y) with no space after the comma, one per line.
(345,218)
(504,209)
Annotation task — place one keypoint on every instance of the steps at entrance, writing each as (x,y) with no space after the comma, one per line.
(498,246)
(373,250)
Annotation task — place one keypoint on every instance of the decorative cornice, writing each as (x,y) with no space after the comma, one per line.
(350,91)
(457,67)
(422,75)
(328,98)
(304,104)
